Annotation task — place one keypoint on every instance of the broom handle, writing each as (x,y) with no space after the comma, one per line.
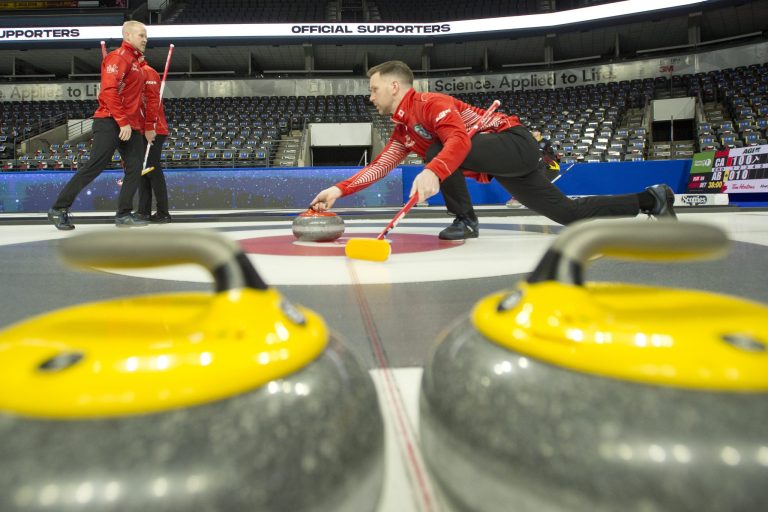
(412,201)
(415,197)
(487,115)
(162,86)
(165,73)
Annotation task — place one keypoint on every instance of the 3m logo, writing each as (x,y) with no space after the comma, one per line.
(112,68)
(696,200)
(441,115)
(667,68)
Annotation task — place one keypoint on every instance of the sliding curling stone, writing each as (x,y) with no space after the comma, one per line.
(233,400)
(312,226)
(562,395)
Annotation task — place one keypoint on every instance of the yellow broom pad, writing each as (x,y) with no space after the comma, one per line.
(369,249)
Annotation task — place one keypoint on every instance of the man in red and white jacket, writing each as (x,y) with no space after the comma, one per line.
(117,123)
(434,126)
(154,121)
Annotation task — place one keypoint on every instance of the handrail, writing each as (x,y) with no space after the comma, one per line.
(303,143)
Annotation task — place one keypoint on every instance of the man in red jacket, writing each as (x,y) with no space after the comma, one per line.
(434,126)
(117,123)
(154,181)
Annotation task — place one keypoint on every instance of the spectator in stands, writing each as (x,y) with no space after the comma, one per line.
(434,126)
(153,181)
(117,123)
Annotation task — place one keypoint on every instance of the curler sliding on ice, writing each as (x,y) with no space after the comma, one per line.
(435,126)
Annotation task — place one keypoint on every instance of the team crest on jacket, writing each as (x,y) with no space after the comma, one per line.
(422,132)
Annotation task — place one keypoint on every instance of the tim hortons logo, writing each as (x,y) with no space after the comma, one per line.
(696,200)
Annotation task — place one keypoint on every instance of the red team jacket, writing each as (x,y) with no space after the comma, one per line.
(154,118)
(421,119)
(122,86)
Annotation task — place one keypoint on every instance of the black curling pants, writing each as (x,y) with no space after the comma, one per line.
(154,181)
(513,158)
(105,141)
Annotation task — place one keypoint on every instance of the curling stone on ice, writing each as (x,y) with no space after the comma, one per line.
(565,395)
(312,226)
(232,400)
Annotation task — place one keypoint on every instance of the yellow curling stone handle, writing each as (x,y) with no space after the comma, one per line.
(154,353)
(647,334)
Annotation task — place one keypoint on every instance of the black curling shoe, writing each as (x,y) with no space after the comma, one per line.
(130,221)
(159,218)
(60,218)
(664,200)
(461,229)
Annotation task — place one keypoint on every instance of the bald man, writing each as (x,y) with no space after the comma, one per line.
(117,124)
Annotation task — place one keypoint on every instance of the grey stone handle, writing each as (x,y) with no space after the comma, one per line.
(143,248)
(566,259)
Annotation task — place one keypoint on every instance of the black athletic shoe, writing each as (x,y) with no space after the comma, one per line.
(157,218)
(664,200)
(461,229)
(130,221)
(142,216)
(60,218)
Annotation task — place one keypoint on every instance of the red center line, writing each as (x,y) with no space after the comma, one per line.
(413,455)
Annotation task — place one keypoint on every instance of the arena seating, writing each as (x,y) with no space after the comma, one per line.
(591,123)
(21,120)
(247,131)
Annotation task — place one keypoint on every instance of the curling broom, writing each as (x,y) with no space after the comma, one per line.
(378,249)
(144,168)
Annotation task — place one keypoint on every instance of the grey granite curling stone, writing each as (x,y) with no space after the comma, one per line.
(562,395)
(231,401)
(312,226)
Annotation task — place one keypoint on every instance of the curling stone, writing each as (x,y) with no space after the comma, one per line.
(562,395)
(312,226)
(232,400)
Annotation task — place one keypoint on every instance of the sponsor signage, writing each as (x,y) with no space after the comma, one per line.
(198,89)
(701,200)
(733,171)
(650,68)
(702,162)
(703,62)
(694,199)
(350,30)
